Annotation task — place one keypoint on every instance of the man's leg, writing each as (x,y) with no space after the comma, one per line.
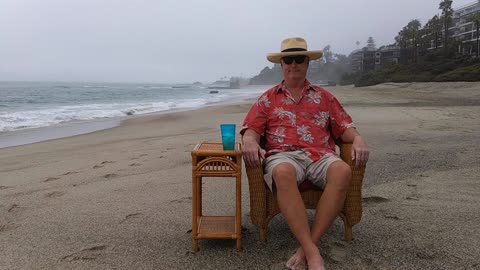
(331,203)
(292,207)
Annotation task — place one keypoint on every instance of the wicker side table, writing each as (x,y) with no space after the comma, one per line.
(210,160)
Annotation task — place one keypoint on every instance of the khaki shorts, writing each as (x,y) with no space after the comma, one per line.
(315,172)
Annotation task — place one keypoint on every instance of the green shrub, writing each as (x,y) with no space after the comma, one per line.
(468,74)
(432,67)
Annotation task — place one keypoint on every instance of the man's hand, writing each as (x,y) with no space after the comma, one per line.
(360,151)
(252,153)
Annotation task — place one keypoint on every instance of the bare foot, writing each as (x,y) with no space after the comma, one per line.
(316,264)
(314,259)
(297,261)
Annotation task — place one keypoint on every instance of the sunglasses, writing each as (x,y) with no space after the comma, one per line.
(299,59)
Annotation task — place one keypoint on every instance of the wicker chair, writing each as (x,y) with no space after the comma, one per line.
(263,203)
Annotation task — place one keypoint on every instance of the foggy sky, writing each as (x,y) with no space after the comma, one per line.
(183,41)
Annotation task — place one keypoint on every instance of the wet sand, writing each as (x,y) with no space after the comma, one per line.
(121,198)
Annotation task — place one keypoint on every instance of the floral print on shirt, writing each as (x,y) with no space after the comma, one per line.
(263,100)
(281,113)
(304,134)
(279,135)
(321,118)
(311,124)
(314,97)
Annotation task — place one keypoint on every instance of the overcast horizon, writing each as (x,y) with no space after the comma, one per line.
(172,41)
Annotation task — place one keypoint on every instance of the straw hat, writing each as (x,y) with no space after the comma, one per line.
(294,46)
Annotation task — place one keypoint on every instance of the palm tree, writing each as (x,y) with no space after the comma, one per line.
(401,39)
(434,25)
(412,32)
(447,12)
(407,39)
(476,21)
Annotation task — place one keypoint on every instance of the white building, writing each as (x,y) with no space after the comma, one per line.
(463,29)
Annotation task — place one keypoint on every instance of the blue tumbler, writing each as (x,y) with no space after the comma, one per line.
(228,136)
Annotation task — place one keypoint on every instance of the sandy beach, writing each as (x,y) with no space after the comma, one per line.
(121,198)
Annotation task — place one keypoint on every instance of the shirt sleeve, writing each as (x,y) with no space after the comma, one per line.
(256,118)
(340,120)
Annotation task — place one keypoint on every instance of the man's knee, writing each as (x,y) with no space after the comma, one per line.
(284,174)
(339,175)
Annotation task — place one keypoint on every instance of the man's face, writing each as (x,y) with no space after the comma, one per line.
(294,68)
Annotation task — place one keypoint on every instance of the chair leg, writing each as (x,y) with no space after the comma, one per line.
(239,244)
(263,233)
(195,245)
(348,232)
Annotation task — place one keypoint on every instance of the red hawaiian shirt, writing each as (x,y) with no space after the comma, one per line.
(312,124)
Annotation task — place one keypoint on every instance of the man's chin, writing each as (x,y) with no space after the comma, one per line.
(295,77)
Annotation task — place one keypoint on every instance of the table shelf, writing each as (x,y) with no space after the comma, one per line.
(217,227)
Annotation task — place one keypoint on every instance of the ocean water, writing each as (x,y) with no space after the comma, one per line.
(29,105)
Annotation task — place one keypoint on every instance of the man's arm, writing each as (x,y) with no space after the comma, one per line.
(360,151)
(251,148)
(349,135)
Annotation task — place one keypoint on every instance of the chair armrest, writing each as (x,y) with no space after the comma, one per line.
(353,202)
(258,201)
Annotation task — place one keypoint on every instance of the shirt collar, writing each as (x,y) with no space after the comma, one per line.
(306,84)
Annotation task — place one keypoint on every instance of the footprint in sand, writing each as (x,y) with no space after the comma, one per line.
(337,252)
(68,173)
(90,253)
(391,217)
(135,164)
(98,166)
(4,187)
(110,175)
(8,226)
(107,161)
(182,200)
(13,208)
(144,155)
(364,263)
(130,216)
(375,199)
(55,194)
(51,179)
(426,254)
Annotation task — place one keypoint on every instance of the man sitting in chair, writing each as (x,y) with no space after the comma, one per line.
(301,122)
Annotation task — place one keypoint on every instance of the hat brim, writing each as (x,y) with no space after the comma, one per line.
(276,57)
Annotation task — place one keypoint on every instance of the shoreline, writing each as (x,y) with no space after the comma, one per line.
(77,128)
